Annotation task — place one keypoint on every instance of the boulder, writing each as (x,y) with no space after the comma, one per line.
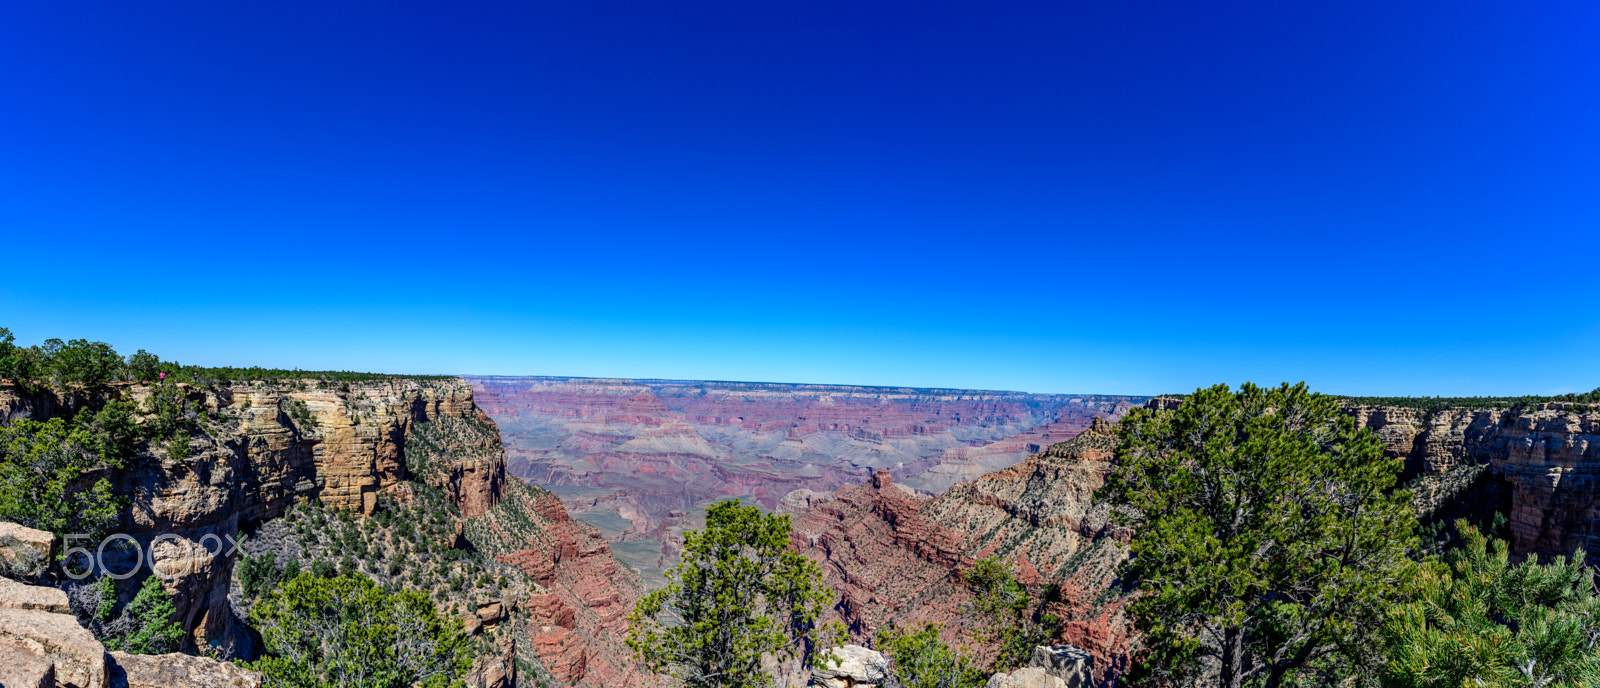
(1026,677)
(21,667)
(79,659)
(490,614)
(1073,665)
(853,667)
(177,671)
(14,595)
(24,552)
(1059,666)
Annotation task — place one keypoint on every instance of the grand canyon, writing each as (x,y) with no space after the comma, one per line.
(639,459)
(576,492)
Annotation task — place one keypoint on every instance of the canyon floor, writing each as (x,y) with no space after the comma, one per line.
(640,459)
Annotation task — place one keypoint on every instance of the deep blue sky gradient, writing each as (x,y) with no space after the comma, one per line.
(1133,197)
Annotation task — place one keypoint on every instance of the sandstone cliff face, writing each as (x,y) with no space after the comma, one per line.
(267,444)
(894,558)
(1547,457)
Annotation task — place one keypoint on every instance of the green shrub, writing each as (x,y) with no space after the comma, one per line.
(42,477)
(146,626)
(346,631)
(739,596)
(918,659)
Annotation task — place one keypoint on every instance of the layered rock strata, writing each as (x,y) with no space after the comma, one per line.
(672,445)
(896,559)
(578,620)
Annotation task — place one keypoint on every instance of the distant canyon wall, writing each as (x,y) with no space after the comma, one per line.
(661,446)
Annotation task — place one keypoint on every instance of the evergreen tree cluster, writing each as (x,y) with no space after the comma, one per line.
(85,364)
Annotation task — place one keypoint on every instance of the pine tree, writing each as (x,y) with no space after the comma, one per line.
(1480,621)
(147,626)
(1266,534)
(740,594)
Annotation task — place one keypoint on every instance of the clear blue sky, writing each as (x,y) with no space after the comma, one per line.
(1118,197)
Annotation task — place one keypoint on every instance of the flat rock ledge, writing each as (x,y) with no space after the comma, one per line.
(176,670)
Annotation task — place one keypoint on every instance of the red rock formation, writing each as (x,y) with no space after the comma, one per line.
(581,616)
(894,558)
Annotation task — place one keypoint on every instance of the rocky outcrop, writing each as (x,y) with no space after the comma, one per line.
(851,666)
(78,660)
(896,559)
(495,672)
(265,445)
(799,500)
(21,667)
(24,552)
(42,646)
(36,598)
(177,671)
(1059,666)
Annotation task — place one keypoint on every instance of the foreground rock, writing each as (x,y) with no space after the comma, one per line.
(14,595)
(42,646)
(1060,666)
(21,667)
(24,552)
(177,671)
(78,659)
(853,667)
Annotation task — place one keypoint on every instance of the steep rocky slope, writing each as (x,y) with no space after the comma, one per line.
(895,558)
(580,613)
